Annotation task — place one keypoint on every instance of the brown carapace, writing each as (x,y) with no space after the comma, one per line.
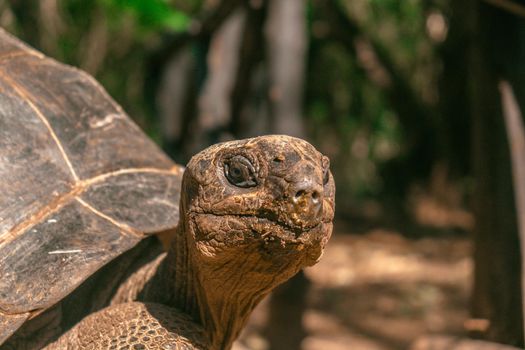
(84,196)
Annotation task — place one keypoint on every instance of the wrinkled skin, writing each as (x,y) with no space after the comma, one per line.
(253,213)
(288,208)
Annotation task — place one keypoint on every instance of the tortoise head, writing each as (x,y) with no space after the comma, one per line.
(268,199)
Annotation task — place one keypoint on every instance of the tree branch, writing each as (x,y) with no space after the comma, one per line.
(199,28)
(251,52)
(516,139)
(379,66)
(508,5)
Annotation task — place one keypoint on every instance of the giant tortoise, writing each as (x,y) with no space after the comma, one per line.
(87,201)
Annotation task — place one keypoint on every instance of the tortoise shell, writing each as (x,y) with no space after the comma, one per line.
(80,183)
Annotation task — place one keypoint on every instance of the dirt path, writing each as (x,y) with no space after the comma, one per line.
(380,291)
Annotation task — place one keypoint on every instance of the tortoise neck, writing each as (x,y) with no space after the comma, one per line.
(226,301)
(219,296)
(177,277)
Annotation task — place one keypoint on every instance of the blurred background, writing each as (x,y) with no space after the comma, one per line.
(405,97)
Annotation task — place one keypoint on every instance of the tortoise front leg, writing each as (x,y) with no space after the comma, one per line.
(134,325)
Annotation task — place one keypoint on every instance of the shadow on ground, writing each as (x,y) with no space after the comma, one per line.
(380,291)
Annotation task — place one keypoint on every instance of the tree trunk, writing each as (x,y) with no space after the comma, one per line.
(496,54)
(287,48)
(454,123)
(176,104)
(287,45)
(215,105)
(246,117)
(284,328)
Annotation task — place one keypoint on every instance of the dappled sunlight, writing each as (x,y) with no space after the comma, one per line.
(379,290)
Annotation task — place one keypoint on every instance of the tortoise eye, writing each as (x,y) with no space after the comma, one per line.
(240,172)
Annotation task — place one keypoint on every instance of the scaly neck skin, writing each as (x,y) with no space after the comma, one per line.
(219,295)
(174,285)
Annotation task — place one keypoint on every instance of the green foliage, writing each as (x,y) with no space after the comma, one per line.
(113,40)
(151,15)
(344,102)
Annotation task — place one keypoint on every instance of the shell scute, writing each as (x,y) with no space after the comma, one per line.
(80,183)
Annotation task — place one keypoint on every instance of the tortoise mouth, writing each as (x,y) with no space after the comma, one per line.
(227,234)
(240,227)
(293,232)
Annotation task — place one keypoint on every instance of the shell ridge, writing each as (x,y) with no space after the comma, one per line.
(25,97)
(124,228)
(79,188)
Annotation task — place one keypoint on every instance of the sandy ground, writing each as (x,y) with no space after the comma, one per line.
(379,291)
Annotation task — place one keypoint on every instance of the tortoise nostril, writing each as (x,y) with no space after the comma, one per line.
(299,194)
(308,196)
(306,200)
